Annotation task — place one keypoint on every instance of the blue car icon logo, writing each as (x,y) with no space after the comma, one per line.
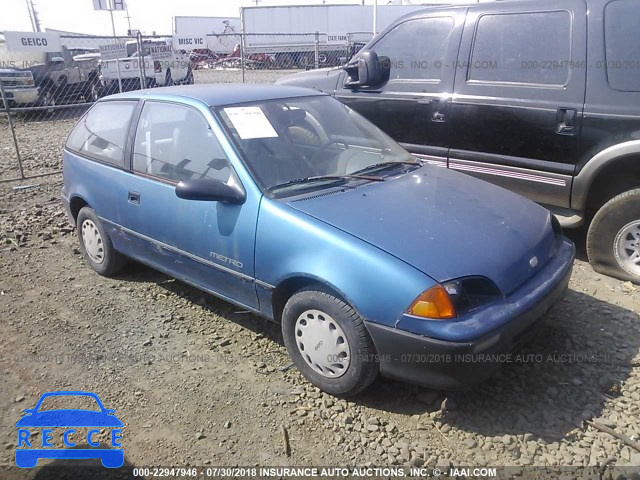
(30,450)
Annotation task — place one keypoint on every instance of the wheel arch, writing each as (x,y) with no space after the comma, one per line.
(76,203)
(289,286)
(607,174)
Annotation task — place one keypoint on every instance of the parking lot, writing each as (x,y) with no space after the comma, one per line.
(198,382)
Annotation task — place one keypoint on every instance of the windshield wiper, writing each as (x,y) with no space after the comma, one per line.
(382,165)
(371,178)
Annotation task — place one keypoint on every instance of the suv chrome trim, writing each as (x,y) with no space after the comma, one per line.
(512,172)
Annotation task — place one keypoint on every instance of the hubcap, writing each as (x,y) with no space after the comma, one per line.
(322,343)
(627,248)
(92,241)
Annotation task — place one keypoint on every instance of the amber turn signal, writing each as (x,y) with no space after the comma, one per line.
(433,303)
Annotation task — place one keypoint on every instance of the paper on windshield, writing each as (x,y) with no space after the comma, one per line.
(250,122)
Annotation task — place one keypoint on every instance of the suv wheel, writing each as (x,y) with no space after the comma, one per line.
(96,246)
(613,241)
(329,343)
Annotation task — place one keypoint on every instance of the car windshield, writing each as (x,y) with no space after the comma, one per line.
(307,143)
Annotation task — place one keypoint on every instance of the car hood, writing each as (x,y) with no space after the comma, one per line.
(446,224)
(323,79)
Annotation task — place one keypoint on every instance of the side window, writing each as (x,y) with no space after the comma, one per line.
(102,132)
(175,143)
(622,43)
(526,48)
(416,48)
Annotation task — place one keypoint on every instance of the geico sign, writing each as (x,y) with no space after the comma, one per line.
(32,42)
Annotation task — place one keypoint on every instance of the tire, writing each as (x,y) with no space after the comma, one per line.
(168,80)
(188,80)
(96,246)
(47,98)
(613,240)
(337,336)
(93,93)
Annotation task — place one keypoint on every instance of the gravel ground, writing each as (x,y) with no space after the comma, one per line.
(196,382)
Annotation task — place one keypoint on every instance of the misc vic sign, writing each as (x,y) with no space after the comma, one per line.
(30,450)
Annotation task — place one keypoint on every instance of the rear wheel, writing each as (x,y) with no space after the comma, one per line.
(95,244)
(613,241)
(188,80)
(329,343)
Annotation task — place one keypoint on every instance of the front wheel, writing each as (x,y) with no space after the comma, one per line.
(95,244)
(329,343)
(613,241)
(47,98)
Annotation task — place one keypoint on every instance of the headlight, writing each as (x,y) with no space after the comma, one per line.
(454,298)
(433,303)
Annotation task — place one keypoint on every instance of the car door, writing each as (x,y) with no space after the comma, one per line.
(519,94)
(413,106)
(205,243)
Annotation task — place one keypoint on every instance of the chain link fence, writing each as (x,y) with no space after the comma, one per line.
(42,96)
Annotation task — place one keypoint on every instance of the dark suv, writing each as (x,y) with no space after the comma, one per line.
(513,92)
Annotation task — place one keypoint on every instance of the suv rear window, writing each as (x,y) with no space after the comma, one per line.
(525,48)
(622,43)
(102,132)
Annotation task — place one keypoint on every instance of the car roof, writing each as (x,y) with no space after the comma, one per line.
(216,95)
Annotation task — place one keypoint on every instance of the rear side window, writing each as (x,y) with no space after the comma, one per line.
(416,48)
(526,48)
(176,143)
(102,133)
(622,43)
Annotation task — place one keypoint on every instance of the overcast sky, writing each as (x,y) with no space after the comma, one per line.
(146,15)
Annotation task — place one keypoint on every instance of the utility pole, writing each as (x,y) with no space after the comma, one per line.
(128,17)
(33,24)
(33,16)
(375,17)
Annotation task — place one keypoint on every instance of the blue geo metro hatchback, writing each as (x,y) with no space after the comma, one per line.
(284,201)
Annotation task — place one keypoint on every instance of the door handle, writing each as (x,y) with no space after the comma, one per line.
(565,121)
(438,115)
(133,197)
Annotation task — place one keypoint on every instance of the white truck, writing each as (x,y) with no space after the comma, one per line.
(157,65)
(47,78)
(288,32)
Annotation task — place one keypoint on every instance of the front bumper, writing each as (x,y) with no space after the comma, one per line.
(21,96)
(450,365)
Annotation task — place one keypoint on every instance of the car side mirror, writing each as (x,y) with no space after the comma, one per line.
(368,70)
(210,189)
